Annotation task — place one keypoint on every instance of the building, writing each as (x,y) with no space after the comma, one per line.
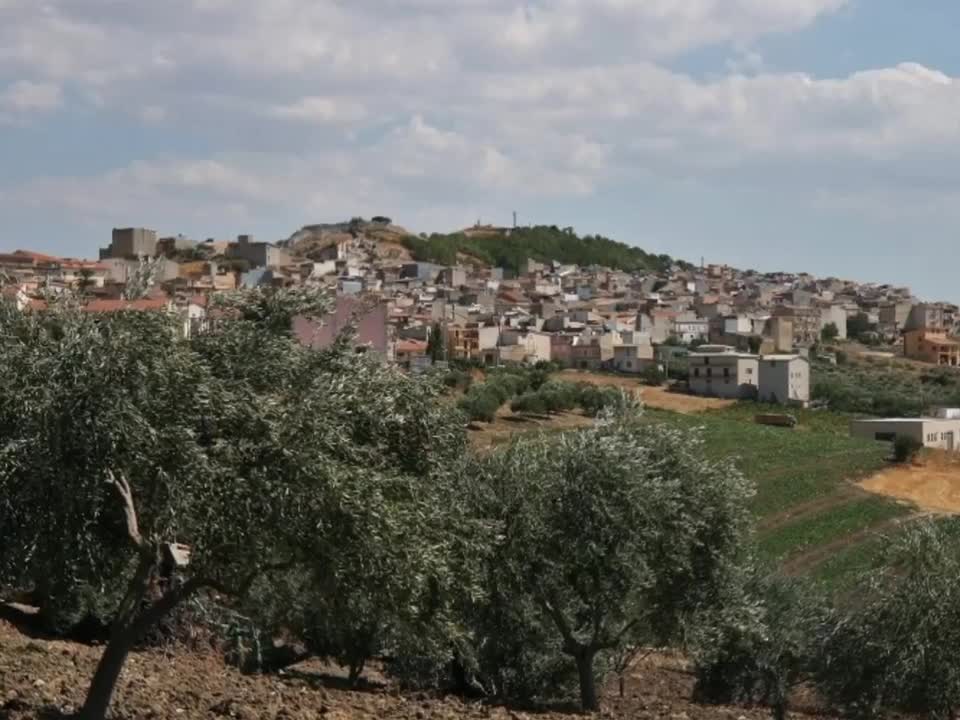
(257,254)
(939,433)
(784,379)
(633,358)
(368,321)
(721,371)
(131,243)
(931,346)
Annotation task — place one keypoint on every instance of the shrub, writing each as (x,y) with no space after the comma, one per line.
(653,376)
(906,448)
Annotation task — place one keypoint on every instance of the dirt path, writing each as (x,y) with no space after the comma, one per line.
(804,562)
(845,494)
(933,484)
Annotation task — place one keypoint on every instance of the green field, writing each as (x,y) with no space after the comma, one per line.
(811,518)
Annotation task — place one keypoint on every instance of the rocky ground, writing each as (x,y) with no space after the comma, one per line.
(46,679)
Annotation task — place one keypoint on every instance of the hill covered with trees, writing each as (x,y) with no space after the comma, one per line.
(542,243)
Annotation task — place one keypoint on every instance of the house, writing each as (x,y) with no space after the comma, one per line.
(784,379)
(410,353)
(931,346)
(633,358)
(369,322)
(257,254)
(590,355)
(932,432)
(722,371)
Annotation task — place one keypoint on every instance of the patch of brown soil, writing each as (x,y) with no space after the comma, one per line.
(47,679)
(507,424)
(932,483)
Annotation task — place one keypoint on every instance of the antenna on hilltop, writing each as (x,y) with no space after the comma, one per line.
(514,219)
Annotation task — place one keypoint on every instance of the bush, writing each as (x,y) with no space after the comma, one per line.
(906,448)
(653,376)
(899,647)
(759,644)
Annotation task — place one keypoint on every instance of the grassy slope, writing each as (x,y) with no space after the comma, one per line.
(805,502)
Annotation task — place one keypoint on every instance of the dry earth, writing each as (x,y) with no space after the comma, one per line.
(46,679)
(932,482)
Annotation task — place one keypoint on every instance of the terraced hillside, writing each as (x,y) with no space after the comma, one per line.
(811,516)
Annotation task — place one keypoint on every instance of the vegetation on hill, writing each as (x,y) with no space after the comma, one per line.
(542,243)
(884,388)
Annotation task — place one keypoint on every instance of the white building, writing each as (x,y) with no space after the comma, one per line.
(784,379)
(721,371)
(940,433)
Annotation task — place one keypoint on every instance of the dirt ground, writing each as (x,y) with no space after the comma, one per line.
(932,482)
(487,435)
(656,397)
(46,679)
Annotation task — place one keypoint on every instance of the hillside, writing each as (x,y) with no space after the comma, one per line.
(541,243)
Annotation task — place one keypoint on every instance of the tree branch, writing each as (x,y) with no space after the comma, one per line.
(122,486)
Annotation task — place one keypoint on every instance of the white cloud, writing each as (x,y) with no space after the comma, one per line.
(329,110)
(314,106)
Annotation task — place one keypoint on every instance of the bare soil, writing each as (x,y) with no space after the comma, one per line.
(932,482)
(46,679)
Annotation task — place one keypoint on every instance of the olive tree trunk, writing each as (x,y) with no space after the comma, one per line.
(128,629)
(588,681)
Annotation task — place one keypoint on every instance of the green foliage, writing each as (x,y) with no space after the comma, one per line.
(556,396)
(436,347)
(830,332)
(759,643)
(610,535)
(482,400)
(906,448)
(542,243)
(653,376)
(885,391)
(859,325)
(898,648)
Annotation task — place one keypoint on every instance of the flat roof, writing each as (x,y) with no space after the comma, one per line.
(783,357)
(907,420)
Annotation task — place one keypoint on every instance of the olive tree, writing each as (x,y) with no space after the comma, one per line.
(611,535)
(898,647)
(759,643)
(152,469)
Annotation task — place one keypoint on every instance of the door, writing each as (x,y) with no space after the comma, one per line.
(949,438)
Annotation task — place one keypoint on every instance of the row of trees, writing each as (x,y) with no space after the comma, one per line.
(333,499)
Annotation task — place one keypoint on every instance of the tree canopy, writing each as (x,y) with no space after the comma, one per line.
(542,243)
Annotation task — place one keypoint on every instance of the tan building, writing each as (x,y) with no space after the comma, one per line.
(931,346)
(721,371)
(939,433)
(633,358)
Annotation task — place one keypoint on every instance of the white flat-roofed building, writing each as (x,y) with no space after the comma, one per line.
(939,433)
(721,371)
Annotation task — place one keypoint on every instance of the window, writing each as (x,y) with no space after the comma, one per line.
(709,372)
(726,372)
(696,372)
(749,371)
(706,361)
(628,364)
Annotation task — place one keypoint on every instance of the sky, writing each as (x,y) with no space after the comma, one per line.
(804,135)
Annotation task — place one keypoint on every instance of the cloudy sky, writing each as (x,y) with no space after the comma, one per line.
(819,135)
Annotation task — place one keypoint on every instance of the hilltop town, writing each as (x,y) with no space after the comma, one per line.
(587,316)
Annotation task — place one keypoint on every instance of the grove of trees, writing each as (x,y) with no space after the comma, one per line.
(330,498)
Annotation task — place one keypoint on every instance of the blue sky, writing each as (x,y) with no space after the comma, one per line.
(817,135)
